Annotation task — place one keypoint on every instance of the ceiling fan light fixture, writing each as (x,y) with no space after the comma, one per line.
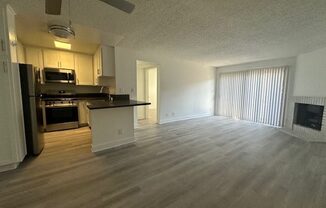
(63,32)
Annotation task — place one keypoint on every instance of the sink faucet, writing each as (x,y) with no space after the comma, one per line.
(102,89)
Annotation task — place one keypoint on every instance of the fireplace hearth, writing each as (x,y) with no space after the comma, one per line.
(308,115)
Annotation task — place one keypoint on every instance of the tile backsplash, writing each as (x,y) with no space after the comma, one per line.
(54,88)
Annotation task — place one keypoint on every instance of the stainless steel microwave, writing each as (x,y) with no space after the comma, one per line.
(54,75)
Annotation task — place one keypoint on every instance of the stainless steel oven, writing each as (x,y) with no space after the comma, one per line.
(53,75)
(60,115)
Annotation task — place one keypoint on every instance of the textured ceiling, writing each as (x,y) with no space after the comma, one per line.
(215,32)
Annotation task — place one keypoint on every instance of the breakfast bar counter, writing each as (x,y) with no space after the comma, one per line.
(101,104)
(112,123)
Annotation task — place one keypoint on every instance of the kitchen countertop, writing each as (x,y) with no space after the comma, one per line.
(102,104)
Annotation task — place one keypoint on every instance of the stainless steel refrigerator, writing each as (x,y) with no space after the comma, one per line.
(33,122)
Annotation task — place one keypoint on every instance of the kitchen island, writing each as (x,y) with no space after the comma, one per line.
(112,123)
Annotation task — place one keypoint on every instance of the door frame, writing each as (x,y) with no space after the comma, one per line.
(158,87)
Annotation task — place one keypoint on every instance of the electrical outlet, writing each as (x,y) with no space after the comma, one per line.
(166,115)
(173,114)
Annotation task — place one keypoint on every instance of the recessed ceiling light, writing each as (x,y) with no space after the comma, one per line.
(62,45)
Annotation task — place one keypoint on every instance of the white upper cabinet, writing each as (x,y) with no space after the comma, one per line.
(51,58)
(58,59)
(34,56)
(84,69)
(104,62)
(67,60)
(82,63)
(108,61)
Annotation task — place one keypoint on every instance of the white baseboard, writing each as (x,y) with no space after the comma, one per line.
(113,145)
(182,118)
(8,167)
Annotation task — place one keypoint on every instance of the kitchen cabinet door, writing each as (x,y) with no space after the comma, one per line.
(84,69)
(67,60)
(107,60)
(34,56)
(83,113)
(96,65)
(51,58)
(104,62)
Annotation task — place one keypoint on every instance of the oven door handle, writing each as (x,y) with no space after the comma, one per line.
(63,106)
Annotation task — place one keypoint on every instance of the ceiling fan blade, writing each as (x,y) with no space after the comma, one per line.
(121,4)
(53,7)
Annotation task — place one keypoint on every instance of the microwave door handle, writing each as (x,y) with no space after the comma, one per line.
(71,77)
(68,77)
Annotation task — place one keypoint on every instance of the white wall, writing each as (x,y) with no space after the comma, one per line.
(186,88)
(291,62)
(310,79)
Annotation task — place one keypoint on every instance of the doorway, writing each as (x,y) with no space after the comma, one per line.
(147,90)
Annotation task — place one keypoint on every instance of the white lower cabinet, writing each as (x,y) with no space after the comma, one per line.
(83,112)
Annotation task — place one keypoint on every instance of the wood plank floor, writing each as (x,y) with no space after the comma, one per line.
(207,162)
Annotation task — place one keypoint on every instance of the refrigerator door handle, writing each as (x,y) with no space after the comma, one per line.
(38,140)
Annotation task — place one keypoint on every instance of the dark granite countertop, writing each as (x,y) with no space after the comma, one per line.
(101,104)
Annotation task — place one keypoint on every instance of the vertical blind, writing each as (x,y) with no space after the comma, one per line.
(256,95)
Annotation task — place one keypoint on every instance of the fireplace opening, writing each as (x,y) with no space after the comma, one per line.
(307,115)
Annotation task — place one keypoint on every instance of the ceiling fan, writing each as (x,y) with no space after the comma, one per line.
(54,6)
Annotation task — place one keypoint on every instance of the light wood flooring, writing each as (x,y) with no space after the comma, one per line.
(207,162)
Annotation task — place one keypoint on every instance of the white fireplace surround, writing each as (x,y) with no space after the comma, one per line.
(305,133)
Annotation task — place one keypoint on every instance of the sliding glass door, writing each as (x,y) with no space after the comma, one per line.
(255,95)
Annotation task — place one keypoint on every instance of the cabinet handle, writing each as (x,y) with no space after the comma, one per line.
(13,43)
(4,67)
(3,48)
